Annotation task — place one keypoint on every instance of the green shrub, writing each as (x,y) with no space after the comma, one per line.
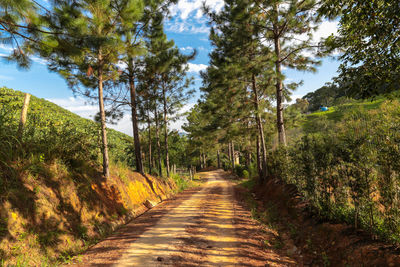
(350,172)
(181,182)
(239,170)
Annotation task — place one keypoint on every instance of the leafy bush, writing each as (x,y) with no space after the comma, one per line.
(239,170)
(180,181)
(350,172)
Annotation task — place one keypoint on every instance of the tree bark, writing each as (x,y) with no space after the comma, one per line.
(233,156)
(24,113)
(158,142)
(136,140)
(149,130)
(166,132)
(279,85)
(261,140)
(229,153)
(248,159)
(218,160)
(106,160)
(259,164)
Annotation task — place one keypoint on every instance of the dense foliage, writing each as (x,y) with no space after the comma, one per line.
(369,43)
(350,172)
(344,160)
(52,132)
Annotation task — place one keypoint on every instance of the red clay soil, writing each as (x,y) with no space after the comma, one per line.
(110,250)
(217,230)
(213,226)
(318,243)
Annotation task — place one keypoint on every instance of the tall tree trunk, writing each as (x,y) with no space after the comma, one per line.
(259,163)
(204,160)
(200,160)
(261,140)
(106,160)
(218,160)
(158,142)
(233,156)
(24,113)
(248,158)
(166,132)
(150,152)
(136,140)
(229,153)
(279,84)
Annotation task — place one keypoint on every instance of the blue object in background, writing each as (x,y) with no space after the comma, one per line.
(324,108)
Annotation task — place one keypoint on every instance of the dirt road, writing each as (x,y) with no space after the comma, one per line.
(202,227)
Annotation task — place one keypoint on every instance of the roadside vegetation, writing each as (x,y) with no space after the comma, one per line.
(55,202)
(343,161)
(55,166)
(348,168)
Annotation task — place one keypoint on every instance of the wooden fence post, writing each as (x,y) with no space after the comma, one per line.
(24,113)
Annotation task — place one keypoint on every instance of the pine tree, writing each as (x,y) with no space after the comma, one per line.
(87,53)
(131,27)
(167,67)
(174,89)
(21,23)
(136,16)
(368,39)
(286,27)
(236,38)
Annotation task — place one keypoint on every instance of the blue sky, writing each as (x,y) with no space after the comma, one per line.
(189,30)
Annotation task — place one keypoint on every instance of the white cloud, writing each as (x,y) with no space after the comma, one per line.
(39,60)
(186,26)
(294,97)
(122,65)
(124,125)
(326,29)
(177,125)
(80,107)
(6,78)
(6,48)
(187,16)
(187,48)
(76,105)
(196,67)
(185,8)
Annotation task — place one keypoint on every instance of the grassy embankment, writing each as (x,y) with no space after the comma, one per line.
(54,202)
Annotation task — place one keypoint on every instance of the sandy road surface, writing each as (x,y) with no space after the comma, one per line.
(203,227)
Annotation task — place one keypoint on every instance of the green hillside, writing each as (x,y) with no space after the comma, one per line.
(345,162)
(56,132)
(336,113)
(54,200)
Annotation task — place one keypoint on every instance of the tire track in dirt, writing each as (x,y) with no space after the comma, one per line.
(207,227)
(212,239)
